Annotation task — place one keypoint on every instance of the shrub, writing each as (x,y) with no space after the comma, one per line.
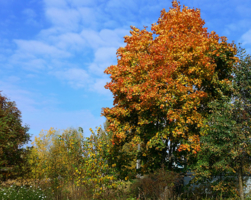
(161,184)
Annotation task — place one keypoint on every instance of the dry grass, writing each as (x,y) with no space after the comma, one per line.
(151,187)
(68,191)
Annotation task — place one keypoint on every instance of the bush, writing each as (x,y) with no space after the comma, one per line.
(159,185)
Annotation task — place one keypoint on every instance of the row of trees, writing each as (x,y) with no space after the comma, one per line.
(184,97)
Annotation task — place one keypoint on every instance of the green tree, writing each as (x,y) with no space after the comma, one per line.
(161,87)
(226,146)
(126,165)
(126,156)
(12,135)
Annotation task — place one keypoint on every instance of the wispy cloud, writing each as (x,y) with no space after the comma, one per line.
(24,98)
(246,37)
(70,41)
(77,78)
(103,58)
(68,19)
(98,86)
(39,48)
(30,17)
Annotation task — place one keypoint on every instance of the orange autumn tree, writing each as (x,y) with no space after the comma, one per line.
(162,86)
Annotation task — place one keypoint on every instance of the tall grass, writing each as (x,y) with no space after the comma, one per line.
(157,186)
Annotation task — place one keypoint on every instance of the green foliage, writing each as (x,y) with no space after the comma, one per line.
(242,80)
(12,135)
(226,145)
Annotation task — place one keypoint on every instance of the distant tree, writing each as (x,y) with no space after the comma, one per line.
(12,133)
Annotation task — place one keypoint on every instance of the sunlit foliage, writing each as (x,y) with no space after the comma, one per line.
(161,86)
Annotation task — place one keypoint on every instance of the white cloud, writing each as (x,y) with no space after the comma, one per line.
(70,41)
(68,19)
(39,48)
(50,33)
(246,38)
(34,65)
(26,61)
(106,43)
(106,37)
(87,15)
(105,54)
(23,98)
(93,38)
(99,86)
(112,37)
(70,34)
(104,57)
(35,55)
(77,78)
(71,15)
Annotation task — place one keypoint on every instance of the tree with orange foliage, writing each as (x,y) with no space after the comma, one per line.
(162,86)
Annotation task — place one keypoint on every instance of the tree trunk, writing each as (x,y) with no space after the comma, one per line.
(240,183)
(170,157)
(138,162)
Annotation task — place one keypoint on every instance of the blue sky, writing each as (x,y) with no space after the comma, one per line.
(53,52)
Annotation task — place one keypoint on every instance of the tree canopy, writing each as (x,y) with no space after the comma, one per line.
(161,86)
(12,133)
